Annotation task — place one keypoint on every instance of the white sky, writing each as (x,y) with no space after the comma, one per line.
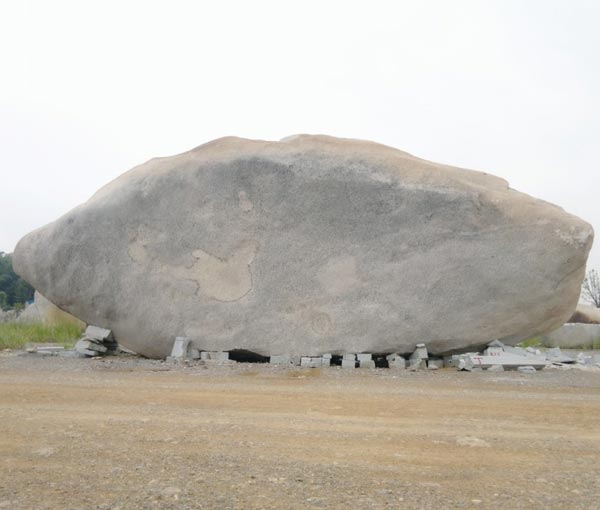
(90,89)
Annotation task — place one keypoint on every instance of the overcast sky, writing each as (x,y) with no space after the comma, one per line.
(90,89)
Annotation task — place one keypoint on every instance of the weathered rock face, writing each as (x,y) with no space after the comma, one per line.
(310,245)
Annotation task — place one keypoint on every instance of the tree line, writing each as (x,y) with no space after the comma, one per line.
(14,291)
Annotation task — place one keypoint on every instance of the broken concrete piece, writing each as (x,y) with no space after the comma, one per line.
(420,353)
(97,333)
(180,347)
(555,355)
(89,345)
(464,364)
(435,363)
(395,360)
(214,356)
(496,368)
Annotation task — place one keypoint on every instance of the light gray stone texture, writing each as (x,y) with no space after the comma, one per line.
(573,336)
(348,363)
(435,363)
(214,356)
(420,353)
(307,246)
(90,345)
(280,360)
(310,362)
(364,356)
(366,363)
(395,360)
(98,333)
(180,347)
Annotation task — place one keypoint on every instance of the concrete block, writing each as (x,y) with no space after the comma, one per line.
(555,355)
(463,363)
(397,364)
(367,363)
(396,361)
(98,333)
(180,347)
(193,353)
(349,357)
(326,356)
(214,356)
(310,362)
(496,368)
(417,364)
(363,356)
(420,353)
(280,360)
(326,362)
(348,363)
(435,363)
(88,345)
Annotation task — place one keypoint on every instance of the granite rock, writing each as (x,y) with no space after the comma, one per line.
(306,246)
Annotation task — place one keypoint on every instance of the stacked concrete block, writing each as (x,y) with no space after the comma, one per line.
(96,341)
(349,360)
(326,360)
(365,360)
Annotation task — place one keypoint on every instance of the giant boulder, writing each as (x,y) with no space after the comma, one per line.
(310,245)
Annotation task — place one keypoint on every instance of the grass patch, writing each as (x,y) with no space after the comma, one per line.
(531,342)
(17,336)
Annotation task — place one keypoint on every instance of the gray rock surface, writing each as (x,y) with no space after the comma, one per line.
(307,246)
(45,312)
(573,336)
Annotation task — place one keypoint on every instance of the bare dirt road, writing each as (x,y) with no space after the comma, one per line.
(129,434)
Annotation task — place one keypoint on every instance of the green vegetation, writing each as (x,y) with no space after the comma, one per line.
(531,342)
(14,291)
(16,336)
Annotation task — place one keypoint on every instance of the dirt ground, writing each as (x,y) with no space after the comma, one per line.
(124,433)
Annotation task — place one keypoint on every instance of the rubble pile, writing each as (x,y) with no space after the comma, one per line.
(499,357)
(97,341)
